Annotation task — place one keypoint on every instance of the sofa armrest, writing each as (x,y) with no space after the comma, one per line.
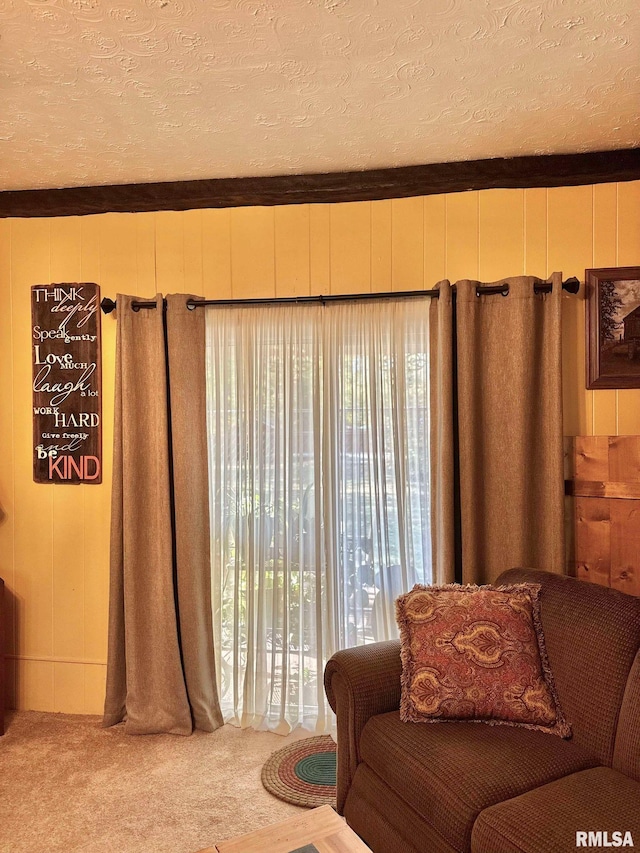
(360,683)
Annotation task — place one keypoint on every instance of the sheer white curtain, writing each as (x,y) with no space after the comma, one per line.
(318,427)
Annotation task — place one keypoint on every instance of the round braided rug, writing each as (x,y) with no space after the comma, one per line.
(303,773)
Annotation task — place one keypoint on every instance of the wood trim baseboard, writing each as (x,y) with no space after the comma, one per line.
(553,170)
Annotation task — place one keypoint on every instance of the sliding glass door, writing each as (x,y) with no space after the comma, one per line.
(318,428)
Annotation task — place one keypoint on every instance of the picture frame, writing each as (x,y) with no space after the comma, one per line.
(613,327)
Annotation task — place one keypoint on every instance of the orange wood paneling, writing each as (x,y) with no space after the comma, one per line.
(193,256)
(435,240)
(591,460)
(605,225)
(593,540)
(33,508)
(625,545)
(253,252)
(407,244)
(350,258)
(501,212)
(381,245)
(216,254)
(461,250)
(68,502)
(292,250)
(624,458)
(7,463)
(536,233)
(605,479)
(628,222)
(170,251)
(58,630)
(320,248)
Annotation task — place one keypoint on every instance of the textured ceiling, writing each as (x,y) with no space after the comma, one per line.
(102,92)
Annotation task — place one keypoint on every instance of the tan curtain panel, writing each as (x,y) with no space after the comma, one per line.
(510,428)
(161,665)
(442,435)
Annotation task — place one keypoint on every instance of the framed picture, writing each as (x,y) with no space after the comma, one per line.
(613,327)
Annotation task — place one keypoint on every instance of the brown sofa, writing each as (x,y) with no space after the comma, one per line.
(458,787)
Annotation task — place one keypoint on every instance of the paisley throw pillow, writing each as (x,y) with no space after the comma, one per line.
(476,653)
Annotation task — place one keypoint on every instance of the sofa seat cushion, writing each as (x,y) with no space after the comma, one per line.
(449,772)
(600,800)
(385,822)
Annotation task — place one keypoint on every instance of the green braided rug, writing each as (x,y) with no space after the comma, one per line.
(303,773)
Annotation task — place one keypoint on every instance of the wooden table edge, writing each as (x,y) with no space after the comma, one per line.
(333,824)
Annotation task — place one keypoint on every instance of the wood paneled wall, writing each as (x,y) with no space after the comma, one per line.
(603,477)
(54,539)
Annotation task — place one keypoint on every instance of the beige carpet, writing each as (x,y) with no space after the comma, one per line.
(69,786)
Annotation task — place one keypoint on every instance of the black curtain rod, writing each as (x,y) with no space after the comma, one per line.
(571,285)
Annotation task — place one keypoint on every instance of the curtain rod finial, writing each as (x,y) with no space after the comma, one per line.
(571,285)
(108,305)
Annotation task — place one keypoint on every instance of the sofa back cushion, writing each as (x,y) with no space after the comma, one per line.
(626,757)
(592,634)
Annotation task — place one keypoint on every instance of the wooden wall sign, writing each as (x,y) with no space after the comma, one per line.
(67,392)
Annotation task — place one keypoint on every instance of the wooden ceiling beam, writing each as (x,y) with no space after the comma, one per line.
(516,172)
